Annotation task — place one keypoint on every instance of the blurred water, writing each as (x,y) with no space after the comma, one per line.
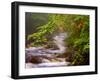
(58,40)
(49,53)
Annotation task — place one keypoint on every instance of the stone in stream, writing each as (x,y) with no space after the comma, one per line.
(39,59)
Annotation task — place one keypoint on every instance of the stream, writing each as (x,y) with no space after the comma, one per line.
(42,57)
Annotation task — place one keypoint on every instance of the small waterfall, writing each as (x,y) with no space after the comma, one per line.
(58,40)
(37,53)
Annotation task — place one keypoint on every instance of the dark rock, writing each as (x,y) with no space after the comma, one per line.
(35,59)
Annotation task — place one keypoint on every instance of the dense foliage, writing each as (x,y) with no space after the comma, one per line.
(77,28)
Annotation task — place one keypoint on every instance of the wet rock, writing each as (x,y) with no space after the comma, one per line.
(34,59)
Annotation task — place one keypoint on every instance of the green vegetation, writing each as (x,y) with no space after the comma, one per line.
(77,28)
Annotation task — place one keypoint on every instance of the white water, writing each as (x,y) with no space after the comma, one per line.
(41,51)
(58,40)
(53,64)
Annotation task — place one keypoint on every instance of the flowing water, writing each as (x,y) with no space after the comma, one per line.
(45,56)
